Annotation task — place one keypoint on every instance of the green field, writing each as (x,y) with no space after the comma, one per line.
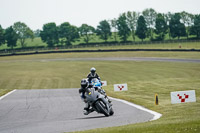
(160,45)
(174,46)
(144,80)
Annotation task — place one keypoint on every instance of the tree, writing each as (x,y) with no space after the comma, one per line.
(2,36)
(177,29)
(104,30)
(11,37)
(49,34)
(68,32)
(161,27)
(141,28)
(132,22)
(36,33)
(23,32)
(150,18)
(30,34)
(123,28)
(86,31)
(114,26)
(195,29)
(187,19)
(168,17)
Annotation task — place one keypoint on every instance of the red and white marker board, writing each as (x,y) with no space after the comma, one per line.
(104,83)
(183,96)
(120,87)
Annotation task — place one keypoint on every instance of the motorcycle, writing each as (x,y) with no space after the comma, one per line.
(98,102)
(96,83)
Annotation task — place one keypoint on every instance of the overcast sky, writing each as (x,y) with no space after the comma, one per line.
(35,13)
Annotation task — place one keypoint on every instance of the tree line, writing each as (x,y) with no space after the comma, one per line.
(147,24)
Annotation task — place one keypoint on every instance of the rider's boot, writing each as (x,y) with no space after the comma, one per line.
(108,98)
(87,109)
(102,91)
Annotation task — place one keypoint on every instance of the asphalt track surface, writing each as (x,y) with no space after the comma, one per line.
(59,110)
(110,59)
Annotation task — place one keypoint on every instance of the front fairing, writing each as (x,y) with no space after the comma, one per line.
(96,83)
(91,95)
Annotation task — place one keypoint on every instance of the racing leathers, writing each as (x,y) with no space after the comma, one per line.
(82,91)
(92,76)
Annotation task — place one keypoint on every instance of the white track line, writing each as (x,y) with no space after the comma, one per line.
(7,94)
(156,114)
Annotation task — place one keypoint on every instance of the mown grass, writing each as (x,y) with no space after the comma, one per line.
(189,55)
(36,42)
(144,79)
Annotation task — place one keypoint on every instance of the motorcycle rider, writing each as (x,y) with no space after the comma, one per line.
(84,86)
(93,75)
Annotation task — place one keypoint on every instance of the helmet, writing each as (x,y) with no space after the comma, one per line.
(84,83)
(92,70)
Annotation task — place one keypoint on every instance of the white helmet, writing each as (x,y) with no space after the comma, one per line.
(92,70)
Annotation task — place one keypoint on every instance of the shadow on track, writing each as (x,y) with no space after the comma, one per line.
(93,117)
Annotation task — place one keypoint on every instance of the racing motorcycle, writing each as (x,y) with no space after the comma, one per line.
(96,83)
(98,102)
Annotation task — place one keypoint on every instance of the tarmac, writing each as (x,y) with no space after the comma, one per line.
(61,110)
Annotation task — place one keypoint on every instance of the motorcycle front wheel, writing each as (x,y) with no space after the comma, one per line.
(102,107)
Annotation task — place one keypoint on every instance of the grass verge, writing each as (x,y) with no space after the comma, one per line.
(187,55)
(149,45)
